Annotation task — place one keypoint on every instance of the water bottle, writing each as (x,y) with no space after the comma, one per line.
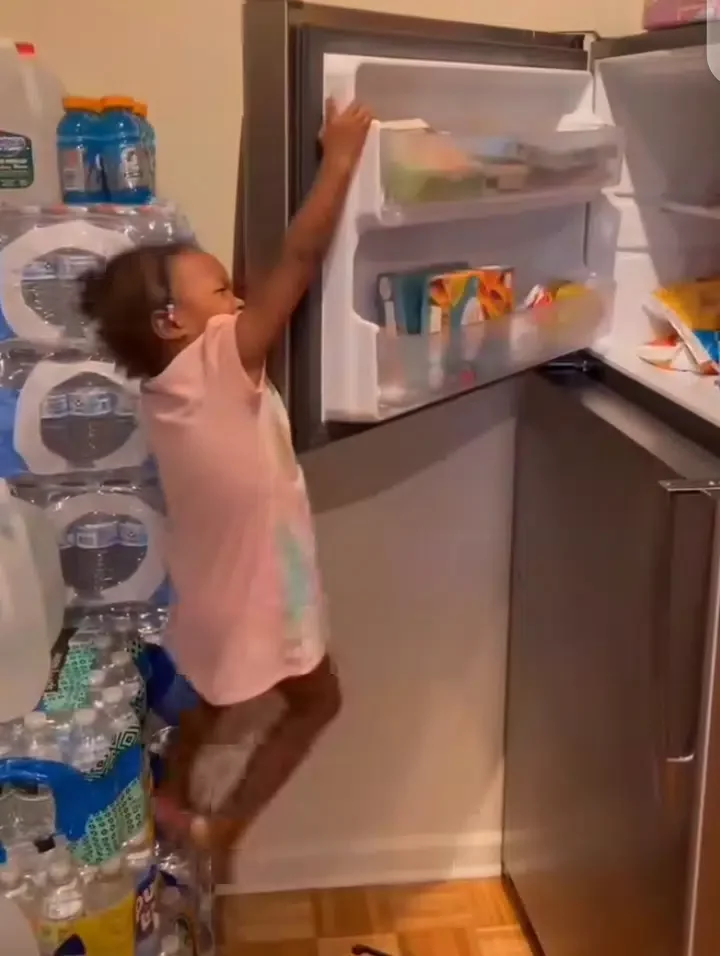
(61,722)
(132,546)
(97,685)
(103,648)
(8,815)
(96,537)
(187,894)
(140,861)
(110,886)
(124,153)
(148,131)
(39,741)
(172,945)
(123,673)
(90,742)
(12,744)
(94,430)
(34,804)
(122,719)
(62,904)
(79,142)
(14,886)
(68,554)
(54,424)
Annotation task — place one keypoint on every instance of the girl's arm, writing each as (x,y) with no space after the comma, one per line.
(271,304)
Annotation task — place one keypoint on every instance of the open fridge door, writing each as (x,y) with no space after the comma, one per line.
(659,227)
(484,156)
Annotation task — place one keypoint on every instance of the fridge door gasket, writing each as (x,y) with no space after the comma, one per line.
(283,112)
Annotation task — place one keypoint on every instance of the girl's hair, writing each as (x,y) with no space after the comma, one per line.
(121,299)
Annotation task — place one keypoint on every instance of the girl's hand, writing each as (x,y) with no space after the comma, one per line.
(344,134)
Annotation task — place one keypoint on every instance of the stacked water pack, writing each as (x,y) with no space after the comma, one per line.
(77,847)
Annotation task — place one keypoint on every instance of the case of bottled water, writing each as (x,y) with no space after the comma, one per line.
(63,412)
(80,870)
(108,531)
(43,251)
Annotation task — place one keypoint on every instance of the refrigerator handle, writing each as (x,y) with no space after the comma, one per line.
(685,561)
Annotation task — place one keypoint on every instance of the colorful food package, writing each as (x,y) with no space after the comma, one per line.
(455,299)
(686,320)
(551,292)
(401,297)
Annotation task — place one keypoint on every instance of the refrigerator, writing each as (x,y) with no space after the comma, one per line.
(610,839)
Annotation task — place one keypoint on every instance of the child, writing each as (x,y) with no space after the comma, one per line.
(240,547)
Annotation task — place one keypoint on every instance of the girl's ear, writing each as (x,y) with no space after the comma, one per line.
(165,323)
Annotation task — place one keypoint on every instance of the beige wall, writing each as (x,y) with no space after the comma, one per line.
(184,58)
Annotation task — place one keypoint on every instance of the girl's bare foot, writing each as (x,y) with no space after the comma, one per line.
(216,836)
(172,819)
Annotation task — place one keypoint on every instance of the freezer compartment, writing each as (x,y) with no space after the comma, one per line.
(662,99)
(414,370)
(425,174)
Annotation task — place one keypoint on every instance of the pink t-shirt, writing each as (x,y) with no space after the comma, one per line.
(240,542)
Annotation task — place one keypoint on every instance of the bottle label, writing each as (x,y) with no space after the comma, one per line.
(130,170)
(146,906)
(17,170)
(73,165)
(54,406)
(133,533)
(110,933)
(91,402)
(70,266)
(96,535)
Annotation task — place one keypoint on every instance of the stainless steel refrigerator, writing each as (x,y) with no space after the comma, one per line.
(612,789)
(609,834)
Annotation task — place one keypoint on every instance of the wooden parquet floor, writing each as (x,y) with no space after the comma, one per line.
(465,918)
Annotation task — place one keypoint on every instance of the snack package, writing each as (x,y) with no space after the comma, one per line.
(549,293)
(401,297)
(686,316)
(455,299)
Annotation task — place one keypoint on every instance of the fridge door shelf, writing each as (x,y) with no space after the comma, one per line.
(414,175)
(393,374)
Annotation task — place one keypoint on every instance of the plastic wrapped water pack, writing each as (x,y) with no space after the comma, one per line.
(44,250)
(108,537)
(63,412)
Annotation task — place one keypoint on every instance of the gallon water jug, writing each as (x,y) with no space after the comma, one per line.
(32,599)
(30,110)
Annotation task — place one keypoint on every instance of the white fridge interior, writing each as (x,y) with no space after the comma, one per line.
(627,228)
(661,224)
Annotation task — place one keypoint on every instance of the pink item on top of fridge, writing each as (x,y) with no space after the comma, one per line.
(671,13)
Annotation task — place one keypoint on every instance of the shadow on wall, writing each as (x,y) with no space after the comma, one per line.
(413,523)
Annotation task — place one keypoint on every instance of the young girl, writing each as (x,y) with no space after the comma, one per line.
(240,548)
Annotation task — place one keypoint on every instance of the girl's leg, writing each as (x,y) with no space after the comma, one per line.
(311,702)
(172,797)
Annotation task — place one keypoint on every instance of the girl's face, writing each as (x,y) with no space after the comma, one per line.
(200,290)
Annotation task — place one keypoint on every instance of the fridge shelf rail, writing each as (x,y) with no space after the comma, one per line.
(410,174)
(386,374)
